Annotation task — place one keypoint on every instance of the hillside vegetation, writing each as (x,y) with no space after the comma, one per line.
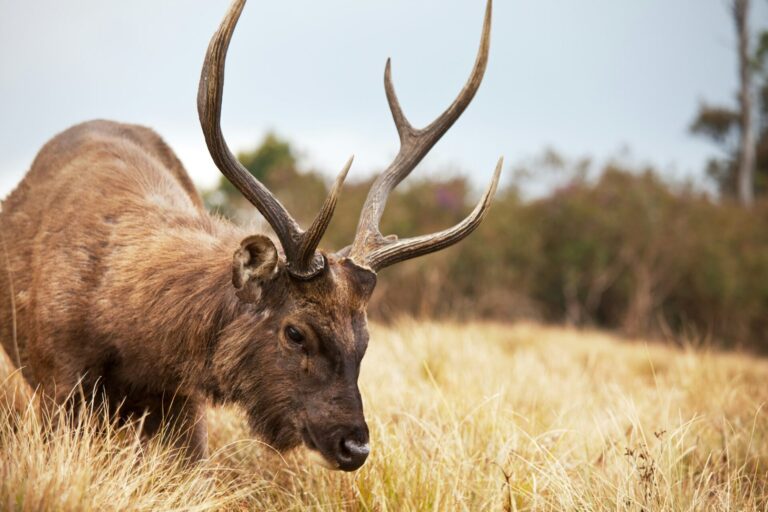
(462,417)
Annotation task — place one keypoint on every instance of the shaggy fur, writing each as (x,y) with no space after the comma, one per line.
(124,284)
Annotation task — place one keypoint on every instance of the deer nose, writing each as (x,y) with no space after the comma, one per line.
(352,448)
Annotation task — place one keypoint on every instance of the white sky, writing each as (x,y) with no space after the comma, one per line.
(587,77)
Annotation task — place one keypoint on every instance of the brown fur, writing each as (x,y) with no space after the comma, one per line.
(125,284)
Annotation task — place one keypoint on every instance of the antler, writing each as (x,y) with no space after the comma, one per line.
(299,246)
(375,251)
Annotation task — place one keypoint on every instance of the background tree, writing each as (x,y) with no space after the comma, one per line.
(761,151)
(746,156)
(741,132)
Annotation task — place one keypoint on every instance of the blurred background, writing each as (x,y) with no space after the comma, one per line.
(635,136)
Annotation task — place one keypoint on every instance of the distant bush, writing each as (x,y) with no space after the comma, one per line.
(629,253)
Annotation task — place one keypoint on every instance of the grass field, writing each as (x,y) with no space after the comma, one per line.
(462,417)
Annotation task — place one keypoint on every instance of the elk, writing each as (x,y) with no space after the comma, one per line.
(118,280)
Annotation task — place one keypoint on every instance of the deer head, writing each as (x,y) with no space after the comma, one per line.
(309,306)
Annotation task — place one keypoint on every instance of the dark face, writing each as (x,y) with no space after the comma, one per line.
(294,358)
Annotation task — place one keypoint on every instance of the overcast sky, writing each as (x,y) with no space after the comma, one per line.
(587,77)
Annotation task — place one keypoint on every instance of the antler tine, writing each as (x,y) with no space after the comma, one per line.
(399,250)
(315,232)
(414,145)
(299,247)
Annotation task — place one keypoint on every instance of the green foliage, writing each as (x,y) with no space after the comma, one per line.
(273,154)
(717,123)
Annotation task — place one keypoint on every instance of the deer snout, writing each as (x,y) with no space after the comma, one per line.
(343,447)
(352,449)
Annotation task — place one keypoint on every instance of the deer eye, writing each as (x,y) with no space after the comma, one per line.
(294,334)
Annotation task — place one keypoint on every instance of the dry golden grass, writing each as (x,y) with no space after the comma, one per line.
(462,417)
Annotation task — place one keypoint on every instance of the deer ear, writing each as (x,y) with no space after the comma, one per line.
(254,263)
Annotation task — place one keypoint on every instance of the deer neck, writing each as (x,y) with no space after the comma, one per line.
(175,297)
